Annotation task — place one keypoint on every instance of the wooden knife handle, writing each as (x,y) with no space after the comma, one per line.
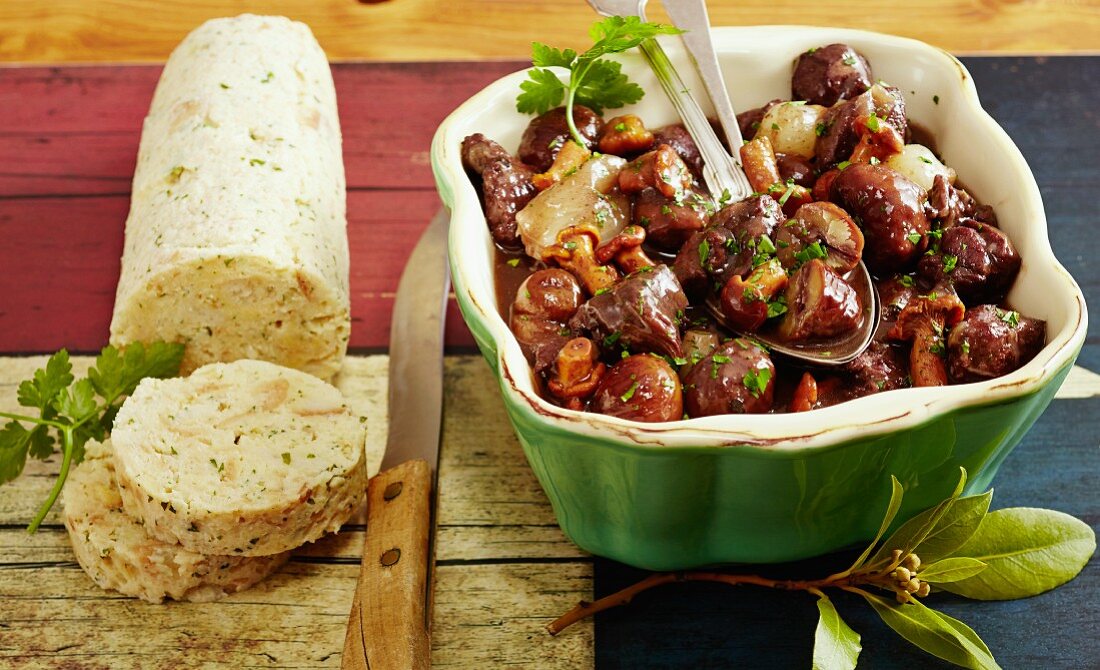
(387,629)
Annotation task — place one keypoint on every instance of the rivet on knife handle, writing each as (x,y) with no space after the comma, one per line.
(387,629)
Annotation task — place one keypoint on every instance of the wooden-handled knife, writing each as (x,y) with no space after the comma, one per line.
(390,617)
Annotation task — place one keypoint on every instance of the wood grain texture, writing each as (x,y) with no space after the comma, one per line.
(488,609)
(65,31)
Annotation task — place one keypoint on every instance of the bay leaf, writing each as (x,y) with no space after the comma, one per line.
(914,531)
(896,493)
(950,570)
(956,527)
(1027,551)
(836,645)
(934,632)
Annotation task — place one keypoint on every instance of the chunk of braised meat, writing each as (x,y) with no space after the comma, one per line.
(548,132)
(830,73)
(844,123)
(544,303)
(795,169)
(990,342)
(668,223)
(749,121)
(640,313)
(677,137)
(505,186)
(708,257)
(889,208)
(661,168)
(881,367)
(978,259)
(751,221)
(641,387)
(736,378)
(820,304)
(949,204)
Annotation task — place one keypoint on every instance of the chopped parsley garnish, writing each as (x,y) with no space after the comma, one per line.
(873,124)
(925,159)
(629,392)
(905,280)
(820,129)
(849,60)
(620,127)
(611,339)
(704,252)
(756,381)
(777,307)
(286,457)
(936,99)
(810,252)
(843,164)
(765,245)
(949,262)
(914,238)
(514,262)
(1009,316)
(666,210)
(965,347)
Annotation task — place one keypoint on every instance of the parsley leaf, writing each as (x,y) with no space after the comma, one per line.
(606,86)
(541,92)
(593,82)
(76,412)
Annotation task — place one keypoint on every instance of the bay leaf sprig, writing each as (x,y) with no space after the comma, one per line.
(594,81)
(957,546)
(69,412)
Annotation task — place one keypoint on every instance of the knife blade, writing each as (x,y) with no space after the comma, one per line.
(388,628)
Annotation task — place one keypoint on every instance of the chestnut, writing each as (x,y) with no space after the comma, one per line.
(736,378)
(820,230)
(820,304)
(547,134)
(642,387)
(889,208)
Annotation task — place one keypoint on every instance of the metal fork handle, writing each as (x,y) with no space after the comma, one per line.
(691,16)
(719,171)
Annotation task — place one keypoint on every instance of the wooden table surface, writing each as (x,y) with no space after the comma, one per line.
(68,139)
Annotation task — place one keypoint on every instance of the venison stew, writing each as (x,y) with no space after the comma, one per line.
(634,292)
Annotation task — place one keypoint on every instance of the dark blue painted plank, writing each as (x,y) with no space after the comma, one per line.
(1051,108)
(716,626)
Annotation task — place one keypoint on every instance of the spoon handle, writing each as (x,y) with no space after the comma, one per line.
(691,16)
(719,170)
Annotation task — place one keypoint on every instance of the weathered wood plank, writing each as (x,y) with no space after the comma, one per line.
(485,616)
(132,30)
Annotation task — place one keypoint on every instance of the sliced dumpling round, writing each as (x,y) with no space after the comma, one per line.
(245,458)
(118,554)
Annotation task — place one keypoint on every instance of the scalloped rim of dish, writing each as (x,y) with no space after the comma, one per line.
(788,433)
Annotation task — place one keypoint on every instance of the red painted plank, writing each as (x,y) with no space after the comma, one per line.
(75,130)
(59,267)
(68,142)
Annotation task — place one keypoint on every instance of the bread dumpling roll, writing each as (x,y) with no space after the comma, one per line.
(236,240)
(117,553)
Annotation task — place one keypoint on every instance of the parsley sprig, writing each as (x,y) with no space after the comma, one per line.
(71,412)
(594,82)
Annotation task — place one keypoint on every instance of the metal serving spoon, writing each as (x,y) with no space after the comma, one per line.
(722,173)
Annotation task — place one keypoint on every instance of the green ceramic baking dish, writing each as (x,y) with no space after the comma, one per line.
(768,488)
